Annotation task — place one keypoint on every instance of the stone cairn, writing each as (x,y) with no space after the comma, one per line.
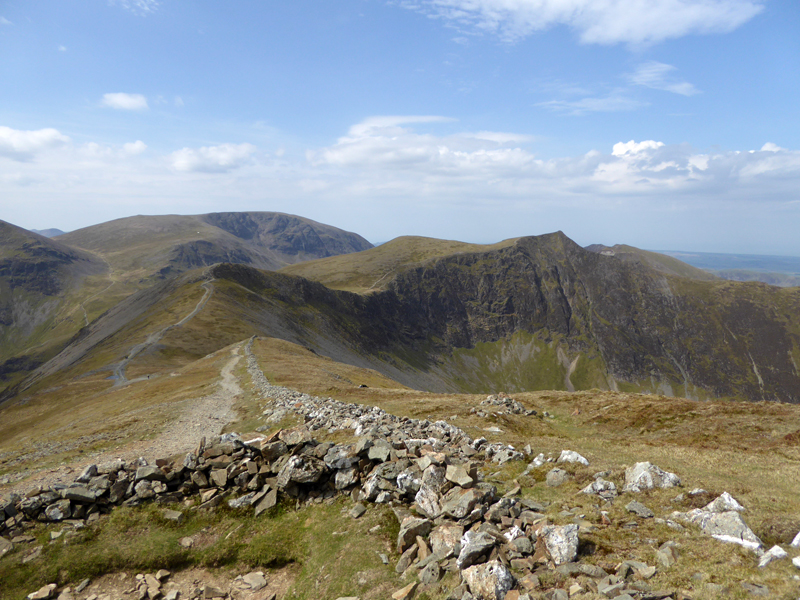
(450,518)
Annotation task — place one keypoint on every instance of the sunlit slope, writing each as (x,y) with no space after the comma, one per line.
(143,247)
(50,289)
(660,262)
(373,269)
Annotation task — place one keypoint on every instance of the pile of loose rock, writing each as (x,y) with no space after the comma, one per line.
(498,404)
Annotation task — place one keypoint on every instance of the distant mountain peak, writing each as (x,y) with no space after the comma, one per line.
(48,233)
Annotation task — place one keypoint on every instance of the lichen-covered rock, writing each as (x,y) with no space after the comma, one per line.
(341,457)
(344,478)
(725,526)
(570,456)
(445,538)
(771,555)
(300,469)
(645,476)
(557,477)
(474,545)
(458,502)
(489,581)
(724,503)
(58,511)
(605,489)
(561,542)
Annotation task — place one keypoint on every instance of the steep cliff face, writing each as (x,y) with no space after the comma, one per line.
(633,327)
(653,331)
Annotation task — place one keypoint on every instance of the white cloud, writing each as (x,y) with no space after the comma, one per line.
(658,76)
(595,21)
(134,148)
(212,159)
(62,48)
(4,21)
(500,137)
(770,147)
(178,101)
(613,102)
(633,148)
(123,101)
(380,140)
(399,176)
(24,145)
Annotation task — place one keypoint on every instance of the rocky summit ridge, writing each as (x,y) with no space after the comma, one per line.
(453,524)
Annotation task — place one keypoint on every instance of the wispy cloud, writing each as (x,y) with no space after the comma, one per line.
(123,101)
(614,102)
(62,48)
(4,21)
(660,76)
(23,145)
(137,7)
(391,124)
(212,159)
(595,21)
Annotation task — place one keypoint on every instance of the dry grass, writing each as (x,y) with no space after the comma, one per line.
(371,270)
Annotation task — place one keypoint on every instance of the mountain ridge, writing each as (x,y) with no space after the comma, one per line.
(537,313)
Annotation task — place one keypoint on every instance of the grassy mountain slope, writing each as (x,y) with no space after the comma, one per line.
(373,269)
(660,262)
(749,450)
(157,246)
(43,284)
(83,274)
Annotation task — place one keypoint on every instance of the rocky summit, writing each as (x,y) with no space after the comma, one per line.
(452,523)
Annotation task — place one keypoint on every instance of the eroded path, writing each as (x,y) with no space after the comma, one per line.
(154,338)
(195,418)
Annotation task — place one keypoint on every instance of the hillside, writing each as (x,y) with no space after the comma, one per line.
(318,484)
(159,246)
(536,313)
(42,286)
(660,262)
(373,269)
(194,530)
(50,289)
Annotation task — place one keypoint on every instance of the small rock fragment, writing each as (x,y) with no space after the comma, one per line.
(639,509)
(405,593)
(773,554)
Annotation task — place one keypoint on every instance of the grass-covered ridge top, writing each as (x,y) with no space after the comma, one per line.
(373,269)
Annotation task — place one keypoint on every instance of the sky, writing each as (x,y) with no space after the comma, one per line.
(663,124)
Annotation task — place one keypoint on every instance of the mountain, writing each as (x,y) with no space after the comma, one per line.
(42,283)
(48,233)
(50,289)
(147,247)
(532,313)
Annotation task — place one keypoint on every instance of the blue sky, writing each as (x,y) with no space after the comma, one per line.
(665,124)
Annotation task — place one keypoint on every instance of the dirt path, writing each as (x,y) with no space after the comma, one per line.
(196,418)
(154,338)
